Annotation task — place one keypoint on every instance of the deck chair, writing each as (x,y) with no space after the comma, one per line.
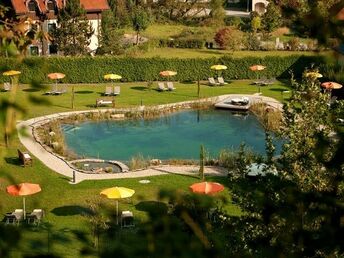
(212,82)
(24,158)
(170,86)
(7,86)
(161,86)
(221,81)
(127,219)
(52,91)
(108,91)
(35,217)
(116,90)
(61,89)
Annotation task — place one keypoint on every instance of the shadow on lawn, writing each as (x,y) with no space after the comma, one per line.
(31,90)
(71,210)
(84,91)
(278,89)
(140,88)
(152,207)
(13,161)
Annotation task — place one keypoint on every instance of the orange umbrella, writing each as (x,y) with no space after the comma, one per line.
(206,188)
(56,76)
(331,85)
(23,189)
(167,73)
(257,67)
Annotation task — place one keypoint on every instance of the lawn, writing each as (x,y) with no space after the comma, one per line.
(63,202)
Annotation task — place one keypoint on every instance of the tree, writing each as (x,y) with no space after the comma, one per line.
(217,13)
(272,18)
(256,24)
(140,21)
(110,39)
(73,32)
(297,212)
(229,38)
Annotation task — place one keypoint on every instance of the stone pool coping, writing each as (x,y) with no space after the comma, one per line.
(61,166)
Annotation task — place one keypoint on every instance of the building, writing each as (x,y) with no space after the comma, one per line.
(259,6)
(46,11)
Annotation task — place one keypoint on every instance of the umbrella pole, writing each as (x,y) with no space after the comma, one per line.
(73,97)
(24,207)
(117,212)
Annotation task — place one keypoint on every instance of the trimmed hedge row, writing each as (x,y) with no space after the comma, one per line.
(182,43)
(92,69)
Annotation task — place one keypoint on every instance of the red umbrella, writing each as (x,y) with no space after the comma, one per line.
(23,189)
(331,85)
(206,188)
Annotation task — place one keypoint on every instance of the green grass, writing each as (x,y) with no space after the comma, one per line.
(58,193)
(208,53)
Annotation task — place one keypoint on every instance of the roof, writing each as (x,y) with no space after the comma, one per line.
(340,15)
(89,5)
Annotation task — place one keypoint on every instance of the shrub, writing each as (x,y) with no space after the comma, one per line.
(294,43)
(229,38)
(92,69)
(252,42)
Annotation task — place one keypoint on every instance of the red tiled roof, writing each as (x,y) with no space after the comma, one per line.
(89,5)
(340,15)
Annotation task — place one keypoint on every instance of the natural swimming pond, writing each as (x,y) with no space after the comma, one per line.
(174,136)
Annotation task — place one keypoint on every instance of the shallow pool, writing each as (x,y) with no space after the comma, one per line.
(175,136)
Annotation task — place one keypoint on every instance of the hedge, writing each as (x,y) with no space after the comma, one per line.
(92,69)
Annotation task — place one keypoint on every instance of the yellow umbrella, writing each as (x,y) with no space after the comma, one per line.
(11,73)
(112,76)
(218,67)
(117,193)
(314,75)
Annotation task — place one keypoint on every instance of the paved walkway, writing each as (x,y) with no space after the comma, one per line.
(59,165)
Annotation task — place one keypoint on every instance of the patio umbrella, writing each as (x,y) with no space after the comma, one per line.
(56,76)
(167,74)
(112,76)
(11,73)
(257,67)
(314,75)
(23,189)
(206,188)
(331,85)
(117,193)
(218,68)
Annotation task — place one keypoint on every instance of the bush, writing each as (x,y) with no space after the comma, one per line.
(294,43)
(182,43)
(92,69)
(229,38)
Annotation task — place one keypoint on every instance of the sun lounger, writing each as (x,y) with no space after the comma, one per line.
(104,102)
(35,217)
(116,90)
(108,91)
(170,86)
(60,89)
(53,90)
(212,82)
(14,217)
(127,219)
(221,81)
(24,158)
(161,86)
(7,86)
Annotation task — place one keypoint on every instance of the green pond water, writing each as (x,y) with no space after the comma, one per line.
(175,136)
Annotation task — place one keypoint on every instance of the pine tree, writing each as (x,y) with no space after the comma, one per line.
(73,32)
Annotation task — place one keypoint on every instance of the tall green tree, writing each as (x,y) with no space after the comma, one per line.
(217,13)
(140,21)
(272,18)
(110,38)
(73,33)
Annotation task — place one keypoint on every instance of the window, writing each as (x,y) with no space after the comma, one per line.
(51,5)
(34,51)
(51,28)
(32,6)
(52,49)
